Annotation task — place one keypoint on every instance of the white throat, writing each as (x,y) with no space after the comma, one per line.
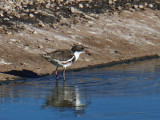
(77,54)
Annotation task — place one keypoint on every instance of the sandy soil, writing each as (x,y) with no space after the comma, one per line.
(116,37)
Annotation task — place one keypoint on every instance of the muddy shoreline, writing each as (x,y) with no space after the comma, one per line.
(120,37)
(26,74)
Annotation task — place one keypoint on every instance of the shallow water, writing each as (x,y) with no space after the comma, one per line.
(122,92)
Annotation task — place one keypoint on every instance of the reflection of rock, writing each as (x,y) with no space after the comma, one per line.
(66,97)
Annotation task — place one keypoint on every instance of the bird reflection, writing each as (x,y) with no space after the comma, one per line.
(66,96)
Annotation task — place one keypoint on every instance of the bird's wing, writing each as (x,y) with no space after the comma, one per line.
(61,55)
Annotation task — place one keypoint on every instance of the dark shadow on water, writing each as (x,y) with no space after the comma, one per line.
(22,73)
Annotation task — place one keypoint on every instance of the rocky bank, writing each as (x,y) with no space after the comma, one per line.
(115,31)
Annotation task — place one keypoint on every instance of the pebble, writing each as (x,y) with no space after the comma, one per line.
(34,32)
(141,6)
(127,6)
(74,10)
(110,1)
(145,4)
(41,24)
(1,14)
(81,6)
(13,40)
(135,6)
(31,15)
(8,32)
(119,8)
(150,5)
(36,12)
(38,68)
(40,46)
(48,5)
(21,63)
(17,15)
(6,19)
(132,10)
(28,9)
(87,5)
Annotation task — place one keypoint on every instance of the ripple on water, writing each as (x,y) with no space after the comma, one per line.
(123,91)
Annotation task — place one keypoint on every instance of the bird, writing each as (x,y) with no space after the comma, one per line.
(64,57)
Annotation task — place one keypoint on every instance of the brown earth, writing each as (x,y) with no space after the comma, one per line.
(110,38)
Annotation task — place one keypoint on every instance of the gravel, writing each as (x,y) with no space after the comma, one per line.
(41,12)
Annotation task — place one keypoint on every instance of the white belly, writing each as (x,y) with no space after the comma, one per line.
(63,63)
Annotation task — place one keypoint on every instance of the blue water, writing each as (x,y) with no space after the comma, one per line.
(122,92)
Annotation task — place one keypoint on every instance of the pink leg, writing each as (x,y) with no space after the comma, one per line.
(64,74)
(56,73)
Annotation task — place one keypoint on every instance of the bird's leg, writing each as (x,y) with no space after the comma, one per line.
(56,73)
(64,74)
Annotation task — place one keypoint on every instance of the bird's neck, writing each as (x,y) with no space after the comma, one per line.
(77,54)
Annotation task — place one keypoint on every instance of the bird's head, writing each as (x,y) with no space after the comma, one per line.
(80,49)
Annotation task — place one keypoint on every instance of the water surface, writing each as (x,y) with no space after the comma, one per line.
(122,92)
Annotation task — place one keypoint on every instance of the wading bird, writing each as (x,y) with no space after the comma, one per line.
(64,58)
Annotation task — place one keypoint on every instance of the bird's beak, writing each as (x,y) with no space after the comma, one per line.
(87,53)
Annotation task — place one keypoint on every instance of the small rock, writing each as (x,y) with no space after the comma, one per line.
(21,63)
(41,24)
(119,8)
(53,26)
(9,32)
(141,6)
(132,10)
(17,15)
(110,1)
(30,2)
(24,5)
(150,5)
(58,8)
(31,15)
(40,46)
(31,10)
(26,45)
(48,5)
(13,40)
(135,6)
(36,12)
(80,5)
(74,10)
(27,10)
(34,32)
(115,13)
(60,5)
(47,1)
(145,4)
(127,6)
(38,68)
(1,14)
(131,34)
(53,5)
(6,19)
